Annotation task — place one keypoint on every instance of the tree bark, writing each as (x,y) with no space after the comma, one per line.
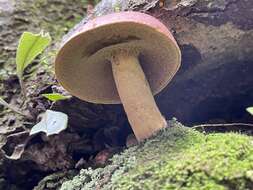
(216,40)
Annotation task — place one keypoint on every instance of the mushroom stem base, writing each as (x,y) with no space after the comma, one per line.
(136,96)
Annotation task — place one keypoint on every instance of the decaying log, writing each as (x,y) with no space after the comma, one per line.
(216,40)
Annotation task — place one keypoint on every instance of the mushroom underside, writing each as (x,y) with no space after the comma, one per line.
(91,51)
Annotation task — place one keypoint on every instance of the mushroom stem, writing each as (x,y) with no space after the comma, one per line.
(136,96)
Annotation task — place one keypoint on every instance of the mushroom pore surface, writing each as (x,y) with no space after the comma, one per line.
(83,67)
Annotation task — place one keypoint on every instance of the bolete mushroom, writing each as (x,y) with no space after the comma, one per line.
(122,57)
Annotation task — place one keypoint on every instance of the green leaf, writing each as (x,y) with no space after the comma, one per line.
(55,97)
(250,110)
(52,122)
(30,46)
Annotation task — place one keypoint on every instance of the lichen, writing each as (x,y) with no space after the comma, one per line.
(54,181)
(177,158)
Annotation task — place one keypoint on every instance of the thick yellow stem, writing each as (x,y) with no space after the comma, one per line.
(136,96)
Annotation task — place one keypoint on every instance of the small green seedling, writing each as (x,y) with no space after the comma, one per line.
(250,110)
(54,97)
(30,46)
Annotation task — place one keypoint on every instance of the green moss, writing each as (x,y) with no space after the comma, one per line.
(177,158)
(54,180)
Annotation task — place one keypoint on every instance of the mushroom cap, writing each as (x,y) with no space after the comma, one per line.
(82,65)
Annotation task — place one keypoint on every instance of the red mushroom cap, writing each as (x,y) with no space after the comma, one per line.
(82,65)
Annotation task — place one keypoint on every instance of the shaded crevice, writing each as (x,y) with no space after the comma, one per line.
(221,93)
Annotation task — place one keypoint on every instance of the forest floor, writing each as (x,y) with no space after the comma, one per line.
(102,130)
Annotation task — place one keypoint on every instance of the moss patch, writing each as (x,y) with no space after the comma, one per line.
(177,158)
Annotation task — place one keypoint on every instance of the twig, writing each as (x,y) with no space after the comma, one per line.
(223,125)
(14,109)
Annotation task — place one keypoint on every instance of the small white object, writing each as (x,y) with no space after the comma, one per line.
(52,123)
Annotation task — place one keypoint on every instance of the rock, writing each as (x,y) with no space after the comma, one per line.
(177,158)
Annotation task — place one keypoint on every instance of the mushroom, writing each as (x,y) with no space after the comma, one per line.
(124,57)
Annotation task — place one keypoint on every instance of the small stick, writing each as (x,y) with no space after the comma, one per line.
(223,125)
(13,108)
